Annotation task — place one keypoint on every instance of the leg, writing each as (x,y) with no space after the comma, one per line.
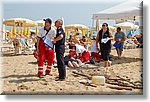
(61,65)
(118,52)
(106,60)
(41,57)
(106,66)
(50,60)
(40,64)
(121,49)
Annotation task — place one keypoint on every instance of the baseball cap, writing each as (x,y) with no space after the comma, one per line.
(48,19)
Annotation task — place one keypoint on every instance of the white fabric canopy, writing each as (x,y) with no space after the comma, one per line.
(126,10)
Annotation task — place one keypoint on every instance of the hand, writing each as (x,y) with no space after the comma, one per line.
(119,42)
(54,41)
(108,38)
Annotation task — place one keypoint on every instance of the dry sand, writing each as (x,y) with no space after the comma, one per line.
(19,76)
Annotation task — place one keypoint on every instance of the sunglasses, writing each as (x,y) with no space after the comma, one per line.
(103,25)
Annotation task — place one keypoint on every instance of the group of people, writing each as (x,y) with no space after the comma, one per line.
(48,37)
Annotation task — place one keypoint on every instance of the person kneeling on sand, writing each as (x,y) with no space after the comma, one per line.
(71,60)
(82,53)
(95,51)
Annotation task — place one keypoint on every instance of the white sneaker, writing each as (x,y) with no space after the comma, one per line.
(75,64)
(70,64)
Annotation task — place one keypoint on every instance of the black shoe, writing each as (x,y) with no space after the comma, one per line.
(59,79)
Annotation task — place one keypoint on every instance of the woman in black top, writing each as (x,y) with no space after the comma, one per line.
(104,38)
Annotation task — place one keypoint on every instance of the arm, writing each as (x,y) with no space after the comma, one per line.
(111,36)
(59,37)
(124,38)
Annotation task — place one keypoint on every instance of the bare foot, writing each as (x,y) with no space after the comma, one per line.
(109,63)
(106,69)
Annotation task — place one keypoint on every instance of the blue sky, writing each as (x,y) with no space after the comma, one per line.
(72,12)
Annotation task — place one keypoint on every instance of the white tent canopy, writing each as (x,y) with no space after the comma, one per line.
(126,10)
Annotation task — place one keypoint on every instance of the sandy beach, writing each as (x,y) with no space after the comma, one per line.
(19,76)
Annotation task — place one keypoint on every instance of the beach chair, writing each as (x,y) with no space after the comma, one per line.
(129,44)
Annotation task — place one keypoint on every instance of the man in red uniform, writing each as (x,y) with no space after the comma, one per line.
(45,47)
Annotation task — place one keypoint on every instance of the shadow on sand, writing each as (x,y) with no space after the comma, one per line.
(25,78)
(125,60)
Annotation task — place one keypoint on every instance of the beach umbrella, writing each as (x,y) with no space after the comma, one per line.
(76,26)
(40,23)
(127,26)
(19,22)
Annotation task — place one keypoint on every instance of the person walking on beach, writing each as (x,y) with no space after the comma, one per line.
(60,50)
(119,38)
(104,38)
(45,47)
